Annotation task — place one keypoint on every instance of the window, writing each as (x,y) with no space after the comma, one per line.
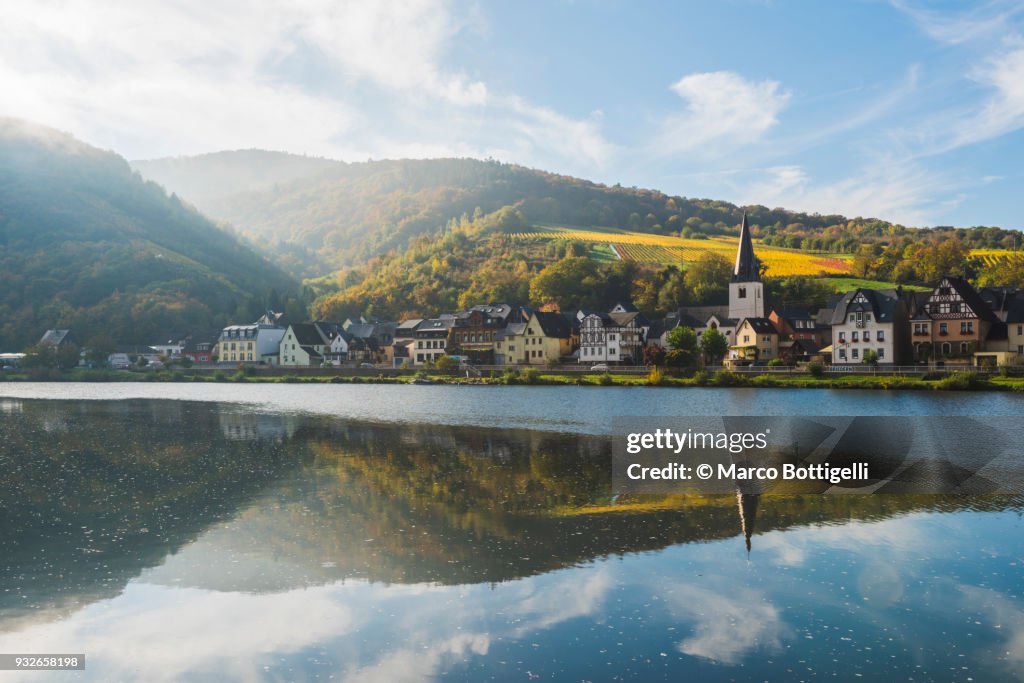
(946,348)
(1020,329)
(965,347)
(881,353)
(955,308)
(842,354)
(842,337)
(880,335)
(746,338)
(967,328)
(943,329)
(741,292)
(867,335)
(852,317)
(867,316)
(611,337)
(856,336)
(855,353)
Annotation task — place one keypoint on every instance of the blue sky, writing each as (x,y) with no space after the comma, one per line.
(906,110)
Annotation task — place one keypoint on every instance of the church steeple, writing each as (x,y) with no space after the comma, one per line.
(748,268)
(746,291)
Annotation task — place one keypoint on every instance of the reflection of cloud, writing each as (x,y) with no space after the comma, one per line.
(727,627)
(409,666)
(565,599)
(1006,617)
(179,633)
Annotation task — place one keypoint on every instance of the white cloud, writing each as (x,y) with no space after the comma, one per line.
(347,79)
(723,110)
(955,28)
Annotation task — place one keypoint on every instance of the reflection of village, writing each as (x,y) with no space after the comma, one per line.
(237,502)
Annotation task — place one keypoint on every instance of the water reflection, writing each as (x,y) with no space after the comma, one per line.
(371,552)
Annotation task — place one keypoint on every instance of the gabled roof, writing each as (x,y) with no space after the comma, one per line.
(313,353)
(553,324)
(56,337)
(747,268)
(881,303)
(760,325)
(971,297)
(790,314)
(1015,311)
(623,319)
(307,334)
(625,307)
(408,325)
(510,330)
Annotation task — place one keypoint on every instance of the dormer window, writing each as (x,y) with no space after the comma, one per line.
(741,292)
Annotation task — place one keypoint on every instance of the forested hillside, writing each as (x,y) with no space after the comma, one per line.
(342,214)
(87,244)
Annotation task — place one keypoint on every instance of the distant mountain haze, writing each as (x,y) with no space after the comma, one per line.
(88,244)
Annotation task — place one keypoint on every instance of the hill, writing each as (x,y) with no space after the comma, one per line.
(317,216)
(88,244)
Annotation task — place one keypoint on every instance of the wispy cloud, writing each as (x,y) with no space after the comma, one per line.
(723,110)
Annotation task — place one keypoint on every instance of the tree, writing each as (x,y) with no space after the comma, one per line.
(682,342)
(870,357)
(99,348)
(713,345)
(68,356)
(708,277)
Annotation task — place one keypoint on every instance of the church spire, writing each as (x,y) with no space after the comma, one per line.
(748,268)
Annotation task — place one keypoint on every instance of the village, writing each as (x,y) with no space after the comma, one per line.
(952,326)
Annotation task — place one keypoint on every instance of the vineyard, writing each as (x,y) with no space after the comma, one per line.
(646,248)
(993,257)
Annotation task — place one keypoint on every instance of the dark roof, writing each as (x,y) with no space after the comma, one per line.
(673,320)
(761,325)
(747,268)
(627,307)
(313,353)
(553,324)
(808,346)
(56,337)
(997,332)
(510,330)
(1015,313)
(623,319)
(306,334)
(971,297)
(882,303)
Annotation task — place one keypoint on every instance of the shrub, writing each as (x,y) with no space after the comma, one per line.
(959,381)
(510,376)
(934,375)
(701,378)
(816,368)
(606,380)
(725,378)
(775,363)
(655,377)
(530,376)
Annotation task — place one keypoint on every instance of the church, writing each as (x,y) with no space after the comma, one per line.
(752,337)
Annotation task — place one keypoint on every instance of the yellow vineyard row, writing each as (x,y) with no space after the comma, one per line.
(646,248)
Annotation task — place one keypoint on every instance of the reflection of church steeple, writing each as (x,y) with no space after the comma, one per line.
(747,503)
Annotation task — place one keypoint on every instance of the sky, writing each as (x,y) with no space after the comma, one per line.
(905,110)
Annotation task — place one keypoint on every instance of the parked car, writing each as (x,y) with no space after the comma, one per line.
(599,366)
(367,365)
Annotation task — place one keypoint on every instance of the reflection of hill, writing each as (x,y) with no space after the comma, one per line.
(93,493)
(96,494)
(460,505)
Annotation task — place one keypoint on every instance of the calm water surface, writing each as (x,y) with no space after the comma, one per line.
(374,533)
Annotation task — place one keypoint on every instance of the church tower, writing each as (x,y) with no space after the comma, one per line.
(746,291)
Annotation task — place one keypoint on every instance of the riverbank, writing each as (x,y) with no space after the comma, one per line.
(952,381)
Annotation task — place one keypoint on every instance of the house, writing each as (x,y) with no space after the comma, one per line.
(306,344)
(128,356)
(614,337)
(369,340)
(258,342)
(199,348)
(57,338)
(545,337)
(474,331)
(952,324)
(757,342)
(171,345)
(871,320)
(430,340)
(798,325)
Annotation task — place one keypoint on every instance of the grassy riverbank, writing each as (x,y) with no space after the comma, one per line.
(953,381)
